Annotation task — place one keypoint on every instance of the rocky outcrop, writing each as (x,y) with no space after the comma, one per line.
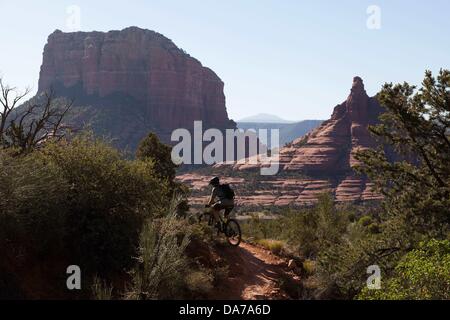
(134,81)
(329,149)
(320,161)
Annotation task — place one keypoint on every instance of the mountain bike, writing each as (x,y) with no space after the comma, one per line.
(229,227)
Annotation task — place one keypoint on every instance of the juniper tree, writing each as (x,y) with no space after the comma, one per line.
(416,184)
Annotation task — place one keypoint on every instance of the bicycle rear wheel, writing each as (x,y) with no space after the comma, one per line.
(233,232)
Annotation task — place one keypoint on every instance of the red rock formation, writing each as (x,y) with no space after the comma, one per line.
(323,159)
(329,149)
(151,83)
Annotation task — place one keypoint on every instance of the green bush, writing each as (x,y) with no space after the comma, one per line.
(79,202)
(365,221)
(309,266)
(307,231)
(108,199)
(153,149)
(317,228)
(33,194)
(162,264)
(423,273)
(257,228)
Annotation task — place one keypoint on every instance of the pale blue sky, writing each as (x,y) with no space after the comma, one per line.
(295,59)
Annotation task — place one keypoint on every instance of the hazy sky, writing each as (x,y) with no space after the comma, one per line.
(293,58)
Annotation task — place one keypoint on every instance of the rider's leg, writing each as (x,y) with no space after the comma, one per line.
(227,212)
(216,214)
(216,211)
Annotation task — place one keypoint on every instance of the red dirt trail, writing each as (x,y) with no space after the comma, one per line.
(254,274)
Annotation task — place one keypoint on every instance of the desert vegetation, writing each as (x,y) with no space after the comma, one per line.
(74,199)
(407,235)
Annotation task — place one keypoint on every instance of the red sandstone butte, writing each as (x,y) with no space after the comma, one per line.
(140,79)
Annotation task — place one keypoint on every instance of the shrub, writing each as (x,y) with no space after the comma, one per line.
(77,202)
(161,269)
(153,149)
(199,282)
(352,217)
(275,246)
(108,200)
(317,228)
(101,290)
(33,193)
(309,266)
(423,273)
(257,228)
(365,221)
(415,181)
(374,228)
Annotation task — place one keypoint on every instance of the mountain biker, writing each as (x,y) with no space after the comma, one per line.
(225,200)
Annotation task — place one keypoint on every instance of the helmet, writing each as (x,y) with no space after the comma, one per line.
(214,181)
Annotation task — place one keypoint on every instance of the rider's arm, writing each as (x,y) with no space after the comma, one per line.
(212,197)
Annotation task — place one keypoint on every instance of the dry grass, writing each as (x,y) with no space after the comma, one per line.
(275,246)
(309,266)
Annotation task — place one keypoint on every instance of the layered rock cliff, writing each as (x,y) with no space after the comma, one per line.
(317,162)
(129,82)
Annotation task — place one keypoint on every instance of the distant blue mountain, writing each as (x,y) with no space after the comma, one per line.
(265,118)
(288,131)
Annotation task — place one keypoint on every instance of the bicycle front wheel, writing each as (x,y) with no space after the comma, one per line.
(233,232)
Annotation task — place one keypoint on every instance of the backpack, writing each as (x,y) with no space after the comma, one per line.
(229,193)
